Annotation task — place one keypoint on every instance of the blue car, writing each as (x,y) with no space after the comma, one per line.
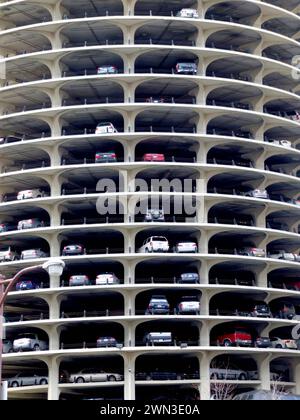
(26,285)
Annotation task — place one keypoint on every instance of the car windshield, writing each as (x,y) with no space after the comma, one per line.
(159,238)
(104,124)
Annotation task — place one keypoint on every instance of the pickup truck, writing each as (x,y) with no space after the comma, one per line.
(29,342)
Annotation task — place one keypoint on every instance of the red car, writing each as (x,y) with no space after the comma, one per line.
(236,337)
(154,157)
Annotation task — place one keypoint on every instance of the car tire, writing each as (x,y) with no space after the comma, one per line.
(214,376)
(279,346)
(148,378)
(112,378)
(226,343)
(15,384)
(36,347)
(43,381)
(178,377)
(242,377)
(80,380)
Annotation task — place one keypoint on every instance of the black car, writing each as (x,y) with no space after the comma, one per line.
(262,342)
(158,305)
(158,375)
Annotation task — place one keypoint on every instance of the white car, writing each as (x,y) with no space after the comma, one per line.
(105,127)
(107,278)
(188,305)
(186,247)
(283,343)
(8,255)
(32,254)
(188,13)
(283,255)
(258,193)
(285,143)
(35,193)
(155,244)
(26,380)
(29,342)
(228,374)
(94,375)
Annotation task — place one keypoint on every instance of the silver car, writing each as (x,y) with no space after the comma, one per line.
(186,247)
(7,346)
(26,380)
(29,342)
(258,193)
(30,224)
(29,254)
(94,375)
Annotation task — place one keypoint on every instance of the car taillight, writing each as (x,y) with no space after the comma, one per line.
(113,155)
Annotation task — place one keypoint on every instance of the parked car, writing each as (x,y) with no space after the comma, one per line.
(155,244)
(258,310)
(94,375)
(9,255)
(29,342)
(186,247)
(188,305)
(26,379)
(154,215)
(284,143)
(292,284)
(284,343)
(186,68)
(257,193)
(159,338)
(158,375)
(35,193)
(107,70)
(79,280)
(285,310)
(262,342)
(107,278)
(7,346)
(6,227)
(158,305)
(228,374)
(33,253)
(252,252)
(26,285)
(157,99)
(105,127)
(283,255)
(75,249)
(188,13)
(261,310)
(107,342)
(30,224)
(236,337)
(105,157)
(188,278)
(154,157)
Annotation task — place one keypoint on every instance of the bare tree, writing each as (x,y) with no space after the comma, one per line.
(221,390)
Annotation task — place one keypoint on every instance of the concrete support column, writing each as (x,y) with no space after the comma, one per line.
(205,334)
(129,303)
(129,377)
(54,304)
(128,272)
(129,334)
(296,378)
(204,362)
(263,368)
(53,379)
